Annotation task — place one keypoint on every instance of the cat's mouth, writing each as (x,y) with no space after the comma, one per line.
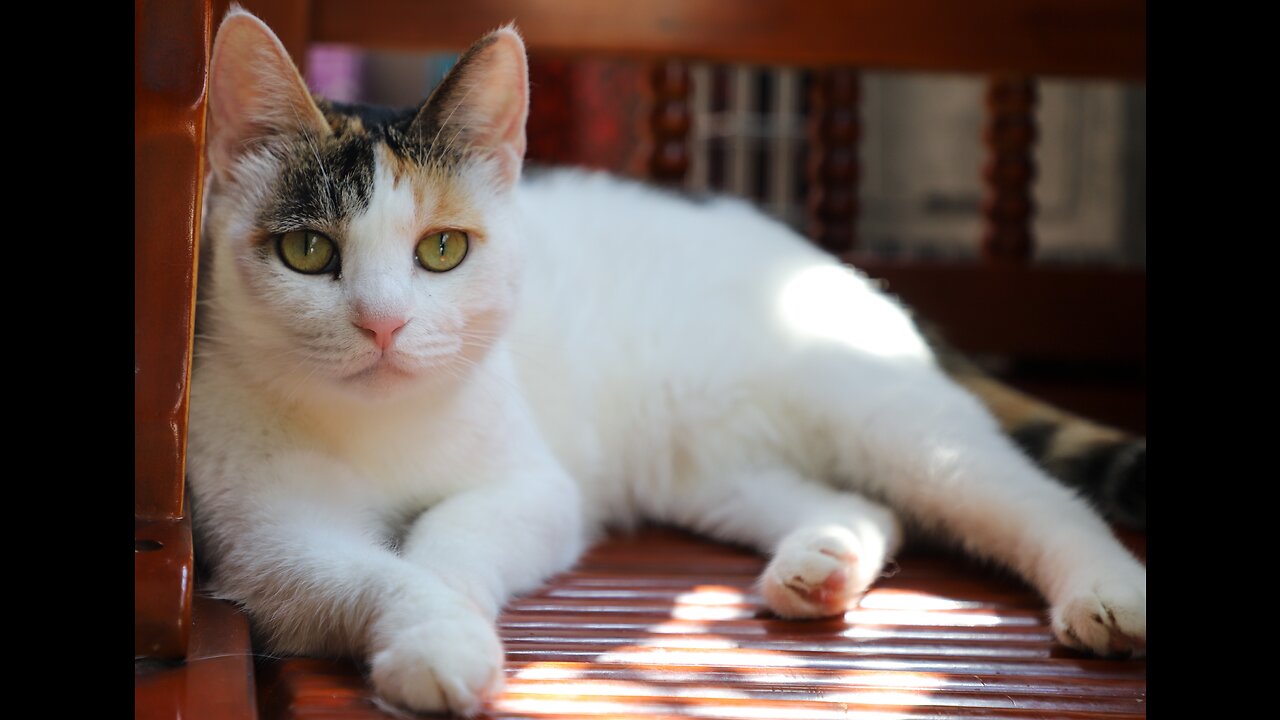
(383,369)
(395,367)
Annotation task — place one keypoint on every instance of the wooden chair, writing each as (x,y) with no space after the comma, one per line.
(198,660)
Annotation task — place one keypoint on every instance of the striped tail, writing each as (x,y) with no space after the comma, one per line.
(1108,467)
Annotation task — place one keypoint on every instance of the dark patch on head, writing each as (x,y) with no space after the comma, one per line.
(373,118)
(423,143)
(398,128)
(414,134)
(423,135)
(326,181)
(1035,438)
(323,183)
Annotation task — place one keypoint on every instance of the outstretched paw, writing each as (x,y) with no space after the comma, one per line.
(819,572)
(449,663)
(1110,619)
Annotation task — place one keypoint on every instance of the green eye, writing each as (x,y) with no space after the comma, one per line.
(442,251)
(307,252)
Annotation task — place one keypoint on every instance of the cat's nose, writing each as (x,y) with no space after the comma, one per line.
(382,330)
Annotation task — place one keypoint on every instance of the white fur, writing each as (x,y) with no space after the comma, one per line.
(660,347)
(605,353)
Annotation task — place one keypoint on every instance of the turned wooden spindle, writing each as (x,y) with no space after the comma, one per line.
(669,122)
(832,167)
(1009,134)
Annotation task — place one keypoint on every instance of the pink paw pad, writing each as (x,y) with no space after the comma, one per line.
(829,594)
(815,577)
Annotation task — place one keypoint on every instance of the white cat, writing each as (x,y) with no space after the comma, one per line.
(424,384)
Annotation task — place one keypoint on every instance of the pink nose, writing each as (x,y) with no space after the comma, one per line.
(381,329)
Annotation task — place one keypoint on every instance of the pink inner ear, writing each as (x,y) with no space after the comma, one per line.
(496,107)
(513,134)
(254,90)
(514,72)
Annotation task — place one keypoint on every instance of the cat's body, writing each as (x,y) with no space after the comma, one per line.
(381,454)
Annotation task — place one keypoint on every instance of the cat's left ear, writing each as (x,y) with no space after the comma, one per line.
(482,104)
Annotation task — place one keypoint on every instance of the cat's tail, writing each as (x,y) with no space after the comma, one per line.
(1106,466)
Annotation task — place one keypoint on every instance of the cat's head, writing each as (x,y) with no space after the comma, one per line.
(352,249)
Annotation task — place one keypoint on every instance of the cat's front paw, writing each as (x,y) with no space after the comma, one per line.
(1108,618)
(819,572)
(449,663)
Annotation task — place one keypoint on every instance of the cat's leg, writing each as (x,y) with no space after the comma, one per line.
(318,574)
(502,537)
(827,545)
(319,577)
(933,453)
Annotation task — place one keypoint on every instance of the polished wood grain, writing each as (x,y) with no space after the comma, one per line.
(171,50)
(1009,134)
(1104,38)
(665,624)
(163,573)
(215,681)
(834,129)
(171,47)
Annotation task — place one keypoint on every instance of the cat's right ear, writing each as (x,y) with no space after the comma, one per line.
(255,92)
(483,103)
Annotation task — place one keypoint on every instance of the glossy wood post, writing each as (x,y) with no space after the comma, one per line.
(163,579)
(1009,170)
(171,51)
(669,122)
(217,681)
(834,130)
